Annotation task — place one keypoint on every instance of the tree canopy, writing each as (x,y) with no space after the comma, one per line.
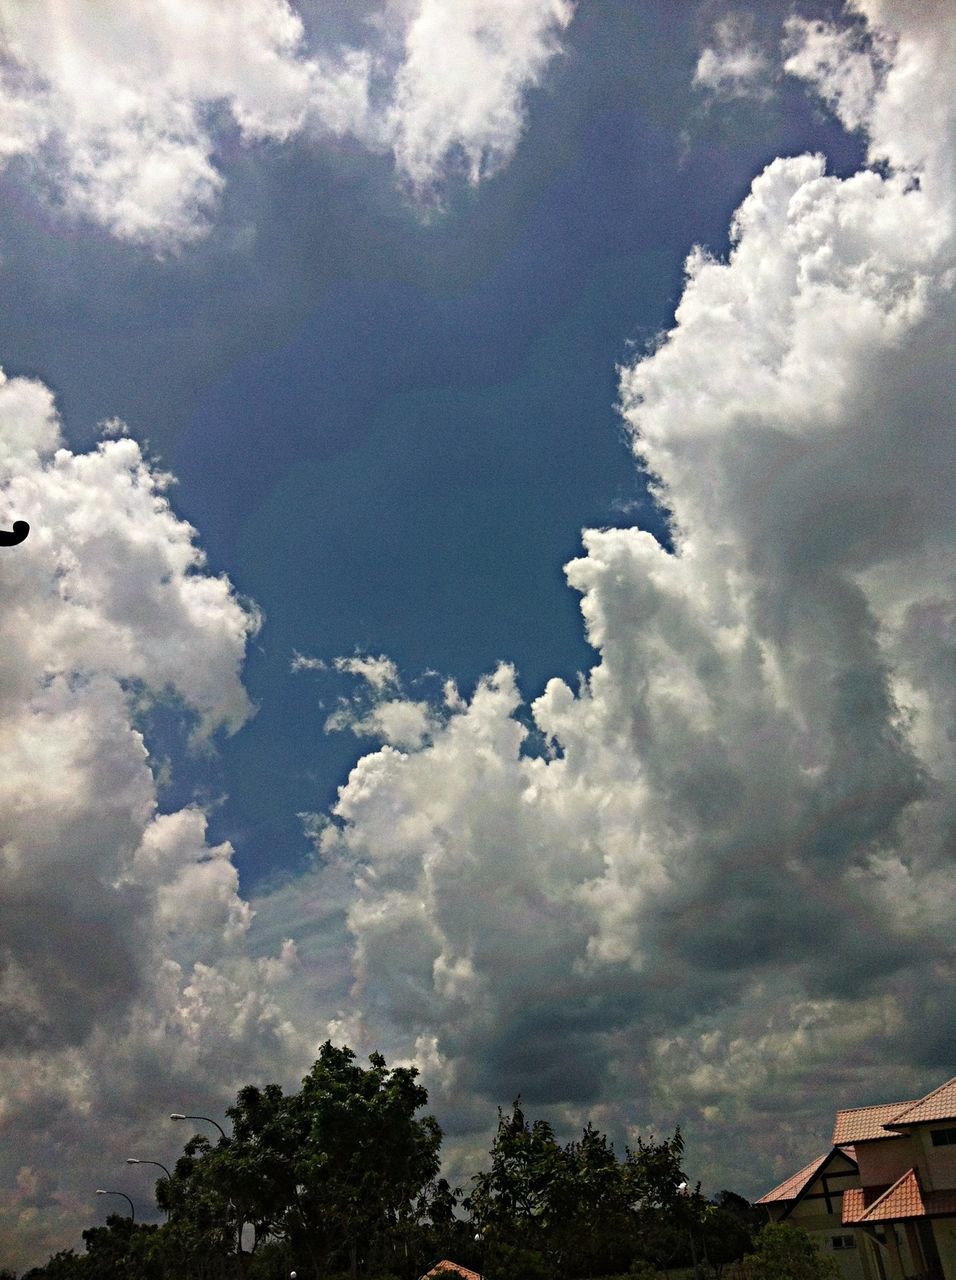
(341,1179)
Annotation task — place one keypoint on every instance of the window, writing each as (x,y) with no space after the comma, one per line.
(844,1242)
(943,1137)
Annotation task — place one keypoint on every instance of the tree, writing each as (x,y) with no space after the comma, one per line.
(513,1203)
(729,1224)
(578,1210)
(786,1253)
(64,1265)
(337,1170)
(667,1214)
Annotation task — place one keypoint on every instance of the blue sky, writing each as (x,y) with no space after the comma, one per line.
(392,396)
(391,427)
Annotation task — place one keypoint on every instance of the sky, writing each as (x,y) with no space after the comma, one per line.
(489,595)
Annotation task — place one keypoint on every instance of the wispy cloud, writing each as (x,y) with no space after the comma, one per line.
(734,65)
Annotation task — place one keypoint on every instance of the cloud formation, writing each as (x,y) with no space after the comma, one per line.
(733,871)
(734,65)
(124,962)
(116,117)
(715,875)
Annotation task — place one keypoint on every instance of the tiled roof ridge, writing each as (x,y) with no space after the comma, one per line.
(797,1181)
(910,1173)
(878,1106)
(861,1124)
(446,1265)
(919,1103)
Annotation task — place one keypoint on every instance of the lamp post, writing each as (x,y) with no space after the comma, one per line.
(683,1190)
(177,1115)
(132,1211)
(133,1160)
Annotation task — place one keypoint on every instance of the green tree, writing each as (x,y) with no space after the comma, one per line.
(593,1209)
(512,1205)
(728,1226)
(578,1210)
(667,1214)
(783,1252)
(362,1159)
(336,1171)
(64,1265)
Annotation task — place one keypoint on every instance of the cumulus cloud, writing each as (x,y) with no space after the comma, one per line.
(734,65)
(716,874)
(733,866)
(127,980)
(113,109)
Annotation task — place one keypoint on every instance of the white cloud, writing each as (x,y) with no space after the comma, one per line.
(732,875)
(302,663)
(460,87)
(843,63)
(380,710)
(741,846)
(113,106)
(381,672)
(734,66)
(127,980)
(910,44)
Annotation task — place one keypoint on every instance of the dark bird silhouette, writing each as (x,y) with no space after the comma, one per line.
(10,538)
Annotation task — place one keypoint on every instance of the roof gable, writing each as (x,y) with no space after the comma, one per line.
(448,1270)
(798,1184)
(865,1206)
(791,1187)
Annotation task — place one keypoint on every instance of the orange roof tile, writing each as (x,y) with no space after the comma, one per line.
(938,1105)
(859,1124)
(791,1188)
(903,1200)
(448,1268)
(853,1205)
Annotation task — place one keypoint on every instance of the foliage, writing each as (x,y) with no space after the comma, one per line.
(340,1180)
(783,1252)
(336,1172)
(728,1226)
(578,1210)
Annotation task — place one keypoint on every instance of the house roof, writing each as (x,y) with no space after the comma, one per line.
(938,1105)
(904,1199)
(797,1182)
(856,1200)
(450,1269)
(860,1124)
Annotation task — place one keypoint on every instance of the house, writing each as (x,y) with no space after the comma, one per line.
(812,1199)
(446,1270)
(883,1199)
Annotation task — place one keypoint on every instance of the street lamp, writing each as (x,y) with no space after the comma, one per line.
(176,1115)
(683,1190)
(133,1160)
(132,1211)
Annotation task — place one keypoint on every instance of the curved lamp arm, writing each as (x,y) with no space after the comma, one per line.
(132,1211)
